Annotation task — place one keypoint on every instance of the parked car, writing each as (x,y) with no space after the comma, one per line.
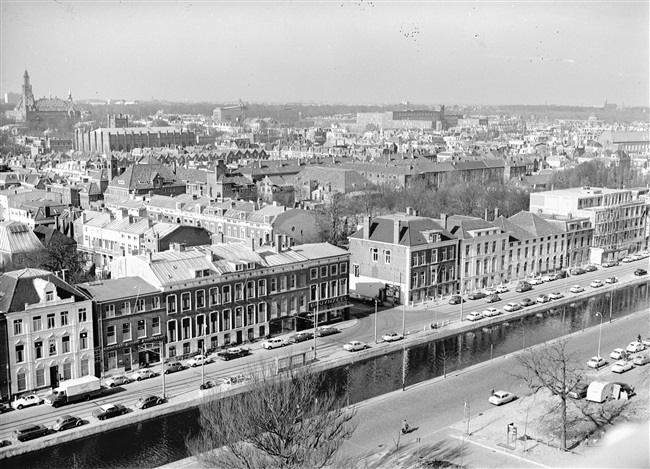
(300,337)
(576,289)
(476,295)
(561,274)
(611,280)
(640,272)
(590,268)
(618,354)
(66,421)
(608,264)
(555,295)
(355,346)
(274,343)
(490,312)
(456,300)
(27,401)
(233,352)
(144,373)
(326,330)
(596,284)
(642,359)
(108,411)
(535,281)
(474,316)
(596,362)
(548,278)
(501,397)
(493,298)
(542,299)
(501,289)
(210,384)
(30,431)
(622,366)
(118,380)
(523,287)
(579,391)
(489,291)
(578,271)
(635,347)
(392,336)
(3,407)
(627,259)
(525,302)
(510,307)
(198,360)
(173,367)
(148,401)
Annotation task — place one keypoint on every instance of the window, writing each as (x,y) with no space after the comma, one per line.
(261,313)
(478,248)
(283,283)
(226,293)
(186,301)
(18,326)
(344,286)
(21,381)
(65,344)
(67,370)
(110,335)
(139,305)
(250,314)
(261,286)
(126,331)
(84,367)
(250,288)
(186,348)
(109,311)
(49,296)
(334,268)
(142,329)
(467,250)
(40,377)
(494,246)
(172,351)
(200,298)
(355,270)
(52,347)
(274,285)
(344,268)
(38,348)
(334,288)
(214,321)
(155,302)
(36,323)
(323,271)
(226,319)
(386,256)
(323,291)
(239,291)
(171,304)
(375,254)
(155,325)
(51,323)
(82,315)
(215,298)
(64,318)
(313,273)
(239,316)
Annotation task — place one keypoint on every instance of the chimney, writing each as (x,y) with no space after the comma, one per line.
(149,255)
(570,216)
(149,222)
(486,215)
(251,243)
(130,217)
(409,211)
(278,243)
(366,227)
(496,213)
(396,231)
(443,220)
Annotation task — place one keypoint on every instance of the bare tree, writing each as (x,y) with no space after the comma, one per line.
(296,420)
(556,369)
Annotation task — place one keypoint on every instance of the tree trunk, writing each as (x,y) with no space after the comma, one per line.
(563,397)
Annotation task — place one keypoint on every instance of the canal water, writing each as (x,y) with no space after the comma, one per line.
(162,440)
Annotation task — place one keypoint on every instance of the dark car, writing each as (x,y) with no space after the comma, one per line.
(66,421)
(148,401)
(578,271)
(29,431)
(326,330)
(109,410)
(173,367)
(493,298)
(627,388)
(579,391)
(526,302)
(561,274)
(590,268)
(456,300)
(523,286)
(234,352)
(211,384)
(300,337)
(476,295)
(640,272)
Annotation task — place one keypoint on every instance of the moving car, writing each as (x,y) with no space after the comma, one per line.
(300,337)
(493,298)
(144,373)
(107,411)
(555,295)
(526,302)
(474,316)
(233,352)
(622,366)
(635,347)
(611,280)
(501,397)
(456,300)
(618,354)
(326,330)
(542,299)
(274,343)
(355,346)
(512,307)
(118,380)
(29,431)
(579,391)
(596,284)
(26,401)
(596,362)
(642,359)
(640,272)
(476,295)
(576,289)
(392,336)
(198,360)
(173,367)
(148,401)
(490,312)
(66,421)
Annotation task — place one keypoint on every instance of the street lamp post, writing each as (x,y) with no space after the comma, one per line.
(376,320)
(600,332)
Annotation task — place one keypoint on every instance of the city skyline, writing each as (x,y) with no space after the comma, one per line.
(466,53)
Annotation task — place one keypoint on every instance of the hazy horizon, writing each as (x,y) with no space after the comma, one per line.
(355,53)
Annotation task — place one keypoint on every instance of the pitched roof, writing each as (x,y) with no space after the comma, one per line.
(17,237)
(410,232)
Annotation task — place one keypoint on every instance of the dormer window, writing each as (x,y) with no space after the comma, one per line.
(49,296)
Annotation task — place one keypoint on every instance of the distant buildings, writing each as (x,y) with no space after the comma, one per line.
(413,119)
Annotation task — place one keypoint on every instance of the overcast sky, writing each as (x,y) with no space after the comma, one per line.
(331,52)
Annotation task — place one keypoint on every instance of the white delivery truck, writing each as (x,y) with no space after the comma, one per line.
(73,390)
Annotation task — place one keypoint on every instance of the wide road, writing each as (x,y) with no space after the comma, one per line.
(362,327)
